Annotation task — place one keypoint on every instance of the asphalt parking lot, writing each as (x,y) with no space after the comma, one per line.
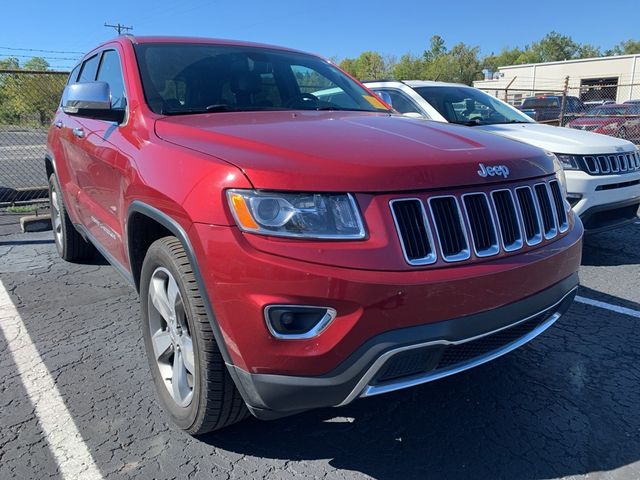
(76,400)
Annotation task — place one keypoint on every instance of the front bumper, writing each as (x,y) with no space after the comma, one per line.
(241,281)
(602,193)
(411,356)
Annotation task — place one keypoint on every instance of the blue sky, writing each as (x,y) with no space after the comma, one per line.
(332,28)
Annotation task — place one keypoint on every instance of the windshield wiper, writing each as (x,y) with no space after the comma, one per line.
(468,123)
(343,109)
(194,111)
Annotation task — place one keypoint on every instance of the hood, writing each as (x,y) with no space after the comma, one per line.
(351,151)
(560,139)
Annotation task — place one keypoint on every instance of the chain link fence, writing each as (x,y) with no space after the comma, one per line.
(28,100)
(609,108)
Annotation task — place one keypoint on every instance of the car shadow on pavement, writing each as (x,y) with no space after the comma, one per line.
(566,404)
(612,248)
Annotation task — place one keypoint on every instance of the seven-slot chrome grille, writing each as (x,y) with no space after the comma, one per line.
(450,227)
(609,164)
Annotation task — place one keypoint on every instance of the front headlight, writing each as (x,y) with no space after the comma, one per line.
(562,180)
(332,216)
(568,162)
(559,167)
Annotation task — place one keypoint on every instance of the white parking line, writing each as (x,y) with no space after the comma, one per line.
(65,441)
(608,306)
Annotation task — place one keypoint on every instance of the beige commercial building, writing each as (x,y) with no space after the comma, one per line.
(614,78)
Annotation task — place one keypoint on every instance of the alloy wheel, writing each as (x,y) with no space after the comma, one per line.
(170,337)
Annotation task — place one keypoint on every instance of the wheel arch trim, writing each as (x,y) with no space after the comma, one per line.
(176,229)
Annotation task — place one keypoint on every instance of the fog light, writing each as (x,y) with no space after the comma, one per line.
(573,198)
(296,322)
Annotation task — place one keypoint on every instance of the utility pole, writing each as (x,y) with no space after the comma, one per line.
(119,27)
(563,103)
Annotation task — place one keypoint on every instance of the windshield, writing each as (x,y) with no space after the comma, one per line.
(183,78)
(469,106)
(541,102)
(609,110)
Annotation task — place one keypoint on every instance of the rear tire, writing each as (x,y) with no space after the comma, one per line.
(69,243)
(191,378)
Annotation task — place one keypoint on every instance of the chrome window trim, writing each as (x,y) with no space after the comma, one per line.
(537,238)
(465,253)
(518,244)
(321,326)
(363,389)
(554,215)
(494,249)
(429,259)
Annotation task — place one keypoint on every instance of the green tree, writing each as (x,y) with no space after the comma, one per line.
(10,63)
(349,66)
(588,51)
(30,98)
(408,67)
(554,47)
(436,49)
(628,47)
(461,64)
(508,56)
(369,65)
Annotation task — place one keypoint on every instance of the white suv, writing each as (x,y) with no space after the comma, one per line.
(603,173)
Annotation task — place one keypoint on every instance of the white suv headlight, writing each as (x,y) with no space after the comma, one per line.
(331,216)
(568,162)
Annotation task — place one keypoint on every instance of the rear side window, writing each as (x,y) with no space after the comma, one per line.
(111,72)
(89,68)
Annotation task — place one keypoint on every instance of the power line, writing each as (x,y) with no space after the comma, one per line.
(7,55)
(119,27)
(38,50)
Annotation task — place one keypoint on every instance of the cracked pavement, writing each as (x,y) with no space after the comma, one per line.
(566,405)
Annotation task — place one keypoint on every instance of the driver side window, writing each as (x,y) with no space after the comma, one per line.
(402,103)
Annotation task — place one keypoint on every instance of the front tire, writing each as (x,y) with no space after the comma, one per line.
(189,373)
(69,243)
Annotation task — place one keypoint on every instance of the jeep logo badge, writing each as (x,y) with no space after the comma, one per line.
(500,170)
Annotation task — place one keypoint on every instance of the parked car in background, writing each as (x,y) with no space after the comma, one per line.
(617,120)
(603,173)
(546,108)
(293,252)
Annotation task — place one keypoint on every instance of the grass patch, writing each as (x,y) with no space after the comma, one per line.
(22,208)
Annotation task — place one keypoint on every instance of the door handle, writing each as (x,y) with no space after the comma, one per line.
(78,132)
(58,124)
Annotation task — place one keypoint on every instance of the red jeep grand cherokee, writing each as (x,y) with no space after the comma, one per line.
(293,252)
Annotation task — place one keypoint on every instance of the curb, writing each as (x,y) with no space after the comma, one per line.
(33,223)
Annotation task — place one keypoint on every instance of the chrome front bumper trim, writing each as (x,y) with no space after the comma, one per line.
(363,389)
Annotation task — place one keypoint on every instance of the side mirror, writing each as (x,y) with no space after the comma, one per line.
(385,97)
(90,100)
